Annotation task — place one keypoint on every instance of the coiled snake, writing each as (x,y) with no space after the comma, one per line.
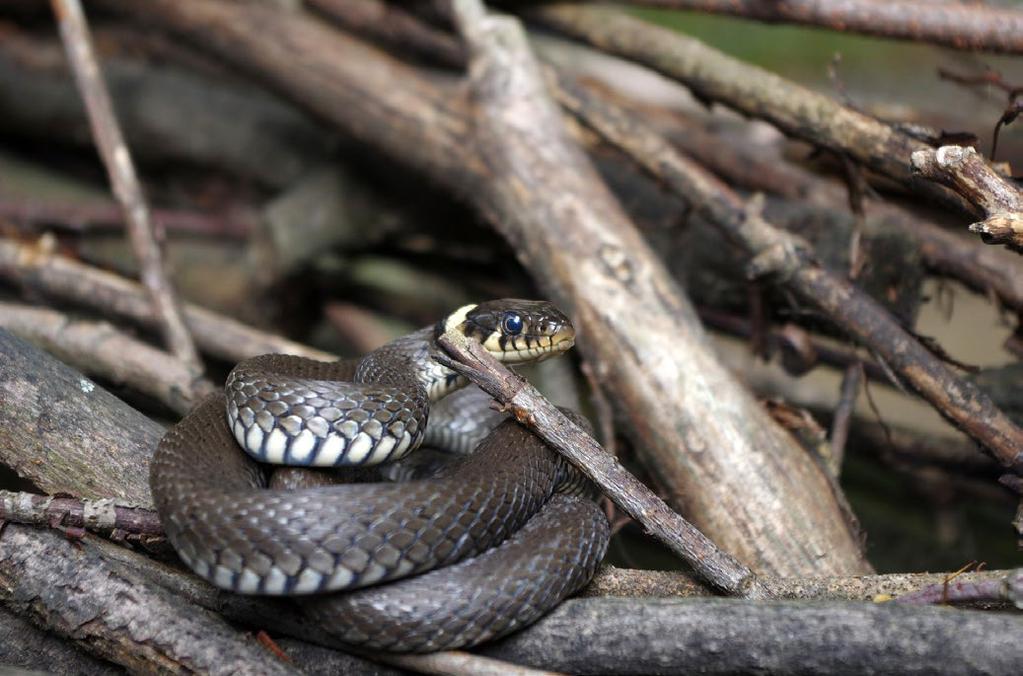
(488,545)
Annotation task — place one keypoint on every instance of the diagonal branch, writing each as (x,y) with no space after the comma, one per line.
(75,32)
(717,78)
(529,407)
(781,255)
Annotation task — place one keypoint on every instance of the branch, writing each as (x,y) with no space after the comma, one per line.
(730,636)
(529,407)
(982,268)
(950,24)
(966,172)
(105,517)
(715,77)
(70,589)
(33,650)
(622,582)
(66,435)
(75,32)
(37,267)
(786,259)
(100,349)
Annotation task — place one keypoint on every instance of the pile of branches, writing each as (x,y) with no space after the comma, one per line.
(342,170)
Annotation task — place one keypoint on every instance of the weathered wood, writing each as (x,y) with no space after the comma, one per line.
(969,26)
(715,77)
(107,609)
(56,431)
(635,325)
(728,636)
(36,267)
(684,411)
(966,172)
(100,349)
(625,582)
(25,649)
(786,260)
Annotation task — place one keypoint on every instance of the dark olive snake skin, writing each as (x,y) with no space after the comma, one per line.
(487,546)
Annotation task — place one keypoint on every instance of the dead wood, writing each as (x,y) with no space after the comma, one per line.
(38,268)
(966,172)
(981,268)
(720,570)
(24,647)
(146,240)
(728,636)
(56,431)
(99,349)
(584,255)
(786,260)
(624,582)
(968,26)
(715,77)
(69,589)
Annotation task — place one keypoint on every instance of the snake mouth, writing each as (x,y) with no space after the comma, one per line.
(519,349)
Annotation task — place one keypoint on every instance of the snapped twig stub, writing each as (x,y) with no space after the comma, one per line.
(966,172)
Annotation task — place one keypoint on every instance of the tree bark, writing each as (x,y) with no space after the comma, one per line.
(57,429)
(729,636)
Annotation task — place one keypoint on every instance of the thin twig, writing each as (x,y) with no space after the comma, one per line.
(145,241)
(1000,586)
(92,216)
(972,27)
(851,383)
(718,568)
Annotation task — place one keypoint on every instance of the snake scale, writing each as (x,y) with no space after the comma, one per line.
(486,546)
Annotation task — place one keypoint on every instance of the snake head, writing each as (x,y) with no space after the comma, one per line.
(515,331)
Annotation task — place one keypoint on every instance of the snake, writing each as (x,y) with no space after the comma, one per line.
(482,547)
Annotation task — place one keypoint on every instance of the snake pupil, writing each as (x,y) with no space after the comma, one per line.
(512,324)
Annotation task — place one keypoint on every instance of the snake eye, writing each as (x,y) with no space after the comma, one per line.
(512,324)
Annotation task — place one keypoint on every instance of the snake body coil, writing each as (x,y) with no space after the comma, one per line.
(502,532)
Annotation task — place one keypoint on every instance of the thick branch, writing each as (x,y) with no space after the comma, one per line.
(57,429)
(729,636)
(951,24)
(640,332)
(966,172)
(24,646)
(69,589)
(75,32)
